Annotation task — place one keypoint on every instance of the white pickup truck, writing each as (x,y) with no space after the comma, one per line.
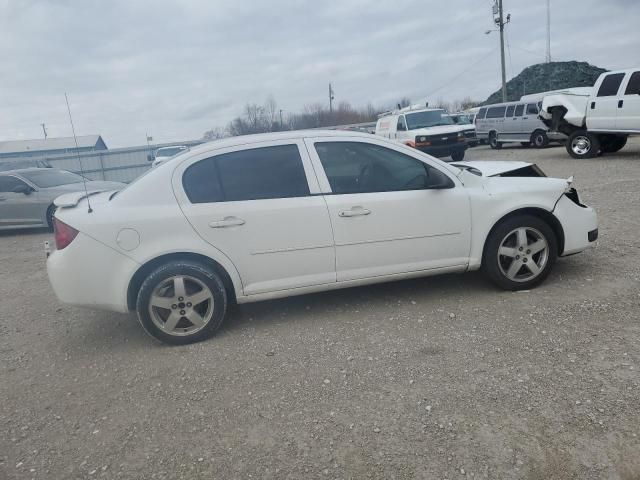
(597,120)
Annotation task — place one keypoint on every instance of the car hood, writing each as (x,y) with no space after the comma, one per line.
(440,130)
(495,168)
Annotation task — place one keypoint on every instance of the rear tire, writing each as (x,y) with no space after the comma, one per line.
(539,139)
(457,156)
(583,144)
(519,252)
(493,141)
(182,302)
(51,212)
(612,143)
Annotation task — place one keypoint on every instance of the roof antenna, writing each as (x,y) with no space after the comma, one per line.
(84,179)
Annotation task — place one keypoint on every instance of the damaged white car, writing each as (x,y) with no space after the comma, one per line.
(259,217)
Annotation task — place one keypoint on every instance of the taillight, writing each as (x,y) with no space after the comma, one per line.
(63,234)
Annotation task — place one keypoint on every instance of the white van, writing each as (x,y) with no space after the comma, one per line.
(429,130)
(514,122)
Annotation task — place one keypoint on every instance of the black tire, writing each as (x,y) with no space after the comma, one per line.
(612,143)
(582,144)
(457,156)
(539,139)
(192,272)
(51,211)
(494,264)
(493,141)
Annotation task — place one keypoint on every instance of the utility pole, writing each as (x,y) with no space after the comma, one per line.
(331,97)
(44,130)
(501,24)
(548,31)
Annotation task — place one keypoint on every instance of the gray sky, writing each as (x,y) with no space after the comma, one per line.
(176,69)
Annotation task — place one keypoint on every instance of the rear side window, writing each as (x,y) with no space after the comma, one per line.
(255,174)
(633,87)
(510,111)
(610,85)
(496,112)
(518,111)
(532,109)
(481,113)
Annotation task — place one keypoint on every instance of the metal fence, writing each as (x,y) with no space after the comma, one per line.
(117,164)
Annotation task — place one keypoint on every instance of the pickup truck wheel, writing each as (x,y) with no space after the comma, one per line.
(539,139)
(583,144)
(612,143)
(493,141)
(519,252)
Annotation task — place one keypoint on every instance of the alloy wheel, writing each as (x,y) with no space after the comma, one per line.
(581,145)
(181,305)
(523,254)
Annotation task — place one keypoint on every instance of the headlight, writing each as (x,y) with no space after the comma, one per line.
(460,134)
(422,139)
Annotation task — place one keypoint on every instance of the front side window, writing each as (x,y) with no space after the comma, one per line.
(532,109)
(610,85)
(353,167)
(254,174)
(518,111)
(481,113)
(402,126)
(510,111)
(496,112)
(633,87)
(8,184)
(52,178)
(432,118)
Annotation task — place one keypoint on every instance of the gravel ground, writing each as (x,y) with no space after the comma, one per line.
(443,377)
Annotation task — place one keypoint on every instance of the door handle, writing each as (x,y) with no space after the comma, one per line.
(620,103)
(227,222)
(355,212)
(593,105)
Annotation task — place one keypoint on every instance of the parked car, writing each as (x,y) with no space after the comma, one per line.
(16,164)
(266,216)
(599,119)
(163,154)
(429,130)
(27,195)
(513,122)
(466,121)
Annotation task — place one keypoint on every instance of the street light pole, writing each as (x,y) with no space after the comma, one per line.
(502,59)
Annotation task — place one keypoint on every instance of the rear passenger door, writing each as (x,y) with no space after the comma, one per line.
(628,118)
(260,207)
(602,111)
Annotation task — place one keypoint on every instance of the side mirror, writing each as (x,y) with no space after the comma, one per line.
(438,180)
(149,158)
(23,188)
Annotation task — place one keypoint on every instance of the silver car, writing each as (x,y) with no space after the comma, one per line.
(27,195)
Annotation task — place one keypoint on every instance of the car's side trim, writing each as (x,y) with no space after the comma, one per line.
(291,249)
(409,237)
(350,283)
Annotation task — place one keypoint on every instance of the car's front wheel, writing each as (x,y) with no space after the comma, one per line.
(520,252)
(457,156)
(182,302)
(493,141)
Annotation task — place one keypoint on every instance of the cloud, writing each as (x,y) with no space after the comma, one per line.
(176,69)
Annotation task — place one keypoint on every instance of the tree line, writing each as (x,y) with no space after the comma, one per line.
(268,117)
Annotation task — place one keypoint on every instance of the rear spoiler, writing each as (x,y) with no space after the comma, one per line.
(69,200)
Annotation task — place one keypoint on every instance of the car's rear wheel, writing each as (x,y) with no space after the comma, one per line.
(612,143)
(51,213)
(457,156)
(583,144)
(539,139)
(493,141)
(182,302)
(520,252)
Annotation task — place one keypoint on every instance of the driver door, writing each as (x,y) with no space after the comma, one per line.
(17,209)
(391,213)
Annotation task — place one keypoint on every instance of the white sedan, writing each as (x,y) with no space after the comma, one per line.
(259,217)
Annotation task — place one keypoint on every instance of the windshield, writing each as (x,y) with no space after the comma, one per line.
(432,118)
(168,152)
(51,178)
(461,119)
